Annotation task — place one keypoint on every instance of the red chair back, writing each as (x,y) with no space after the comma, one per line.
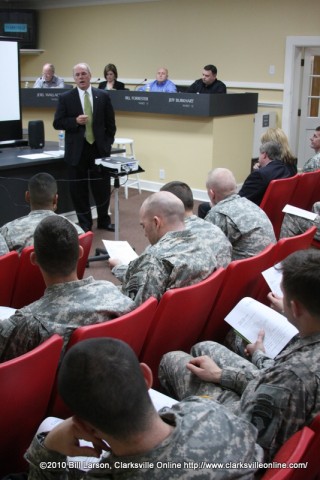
(286,246)
(283,248)
(26,385)
(243,279)
(29,285)
(85,240)
(132,328)
(179,319)
(8,271)
(277,195)
(307,189)
(294,450)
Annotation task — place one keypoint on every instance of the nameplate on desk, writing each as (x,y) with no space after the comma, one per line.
(41,97)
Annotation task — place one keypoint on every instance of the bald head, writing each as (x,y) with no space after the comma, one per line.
(160,213)
(220,184)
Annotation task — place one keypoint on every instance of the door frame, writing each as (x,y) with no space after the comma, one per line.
(292,85)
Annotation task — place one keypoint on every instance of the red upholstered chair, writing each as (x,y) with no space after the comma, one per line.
(85,240)
(307,190)
(294,450)
(286,246)
(8,270)
(277,195)
(283,248)
(315,197)
(26,385)
(312,457)
(132,328)
(29,285)
(243,279)
(179,319)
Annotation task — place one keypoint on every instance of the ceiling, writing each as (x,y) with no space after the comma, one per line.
(46,4)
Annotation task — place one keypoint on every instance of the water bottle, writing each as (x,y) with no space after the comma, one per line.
(61,140)
(148,87)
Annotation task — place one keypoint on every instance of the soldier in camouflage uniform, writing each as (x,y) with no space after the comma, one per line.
(176,257)
(220,245)
(3,246)
(293,225)
(278,396)
(42,197)
(104,385)
(314,162)
(246,226)
(67,303)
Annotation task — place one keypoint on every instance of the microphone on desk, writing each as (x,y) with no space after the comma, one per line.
(141,83)
(97,80)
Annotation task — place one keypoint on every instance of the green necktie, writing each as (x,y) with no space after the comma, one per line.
(88,111)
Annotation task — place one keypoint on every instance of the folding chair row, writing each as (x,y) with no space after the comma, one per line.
(301,191)
(244,278)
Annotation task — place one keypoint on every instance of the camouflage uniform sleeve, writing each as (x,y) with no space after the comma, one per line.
(3,246)
(311,165)
(260,360)
(278,405)
(37,453)
(19,334)
(225,224)
(145,277)
(119,271)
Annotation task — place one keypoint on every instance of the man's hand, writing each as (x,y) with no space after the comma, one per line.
(205,368)
(64,439)
(276,302)
(82,119)
(113,262)
(258,345)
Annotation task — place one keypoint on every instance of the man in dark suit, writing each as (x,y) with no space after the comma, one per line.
(270,167)
(87,116)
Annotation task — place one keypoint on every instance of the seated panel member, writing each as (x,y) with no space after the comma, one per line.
(208,83)
(103,383)
(68,302)
(49,79)
(160,84)
(110,73)
(279,396)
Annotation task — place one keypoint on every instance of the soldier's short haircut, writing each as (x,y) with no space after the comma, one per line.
(42,188)
(301,278)
(101,381)
(182,191)
(272,149)
(56,245)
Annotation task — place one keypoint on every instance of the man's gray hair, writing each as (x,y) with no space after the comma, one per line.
(272,149)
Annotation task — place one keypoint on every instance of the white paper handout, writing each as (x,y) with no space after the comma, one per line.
(273,277)
(300,212)
(249,316)
(120,250)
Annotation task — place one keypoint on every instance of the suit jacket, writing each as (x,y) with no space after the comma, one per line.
(117,85)
(257,182)
(104,128)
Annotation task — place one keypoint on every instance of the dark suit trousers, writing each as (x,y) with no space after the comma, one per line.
(80,176)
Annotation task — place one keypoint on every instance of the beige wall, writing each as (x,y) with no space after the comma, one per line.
(242,37)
